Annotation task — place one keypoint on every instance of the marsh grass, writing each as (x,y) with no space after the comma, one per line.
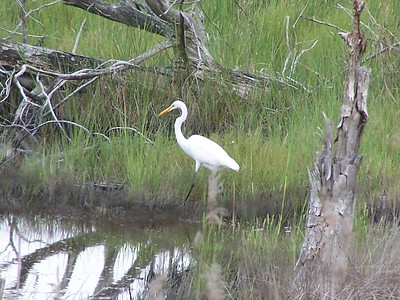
(272,134)
(257,261)
(229,261)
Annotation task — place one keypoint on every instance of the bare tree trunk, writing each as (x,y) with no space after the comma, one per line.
(322,264)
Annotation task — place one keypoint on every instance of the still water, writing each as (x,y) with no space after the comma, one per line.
(82,257)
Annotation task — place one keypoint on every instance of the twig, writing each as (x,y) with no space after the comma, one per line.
(35,129)
(28,35)
(25,100)
(102,135)
(383,50)
(48,104)
(78,37)
(21,4)
(129,128)
(245,13)
(28,111)
(362,23)
(373,20)
(287,18)
(61,121)
(293,56)
(29,14)
(6,87)
(81,74)
(296,60)
(169,8)
(297,20)
(81,87)
(323,23)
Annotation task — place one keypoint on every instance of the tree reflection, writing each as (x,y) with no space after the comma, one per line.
(123,262)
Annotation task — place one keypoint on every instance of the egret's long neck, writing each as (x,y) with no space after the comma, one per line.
(178,128)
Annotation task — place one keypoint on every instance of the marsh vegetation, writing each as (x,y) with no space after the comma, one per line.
(123,156)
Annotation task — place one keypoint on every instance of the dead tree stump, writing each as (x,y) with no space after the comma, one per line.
(322,264)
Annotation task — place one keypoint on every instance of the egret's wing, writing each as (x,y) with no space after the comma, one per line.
(209,153)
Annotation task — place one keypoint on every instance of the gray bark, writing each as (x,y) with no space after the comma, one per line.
(186,29)
(322,264)
(15,55)
(131,13)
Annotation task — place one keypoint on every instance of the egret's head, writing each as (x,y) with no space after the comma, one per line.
(177,104)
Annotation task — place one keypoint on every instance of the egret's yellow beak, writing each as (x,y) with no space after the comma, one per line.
(168,109)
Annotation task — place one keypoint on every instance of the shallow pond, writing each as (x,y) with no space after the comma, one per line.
(81,257)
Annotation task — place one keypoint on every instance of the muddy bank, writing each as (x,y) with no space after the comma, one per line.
(23,191)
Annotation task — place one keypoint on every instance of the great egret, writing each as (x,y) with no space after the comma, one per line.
(203,150)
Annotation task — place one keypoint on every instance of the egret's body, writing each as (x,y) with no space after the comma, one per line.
(203,150)
(207,153)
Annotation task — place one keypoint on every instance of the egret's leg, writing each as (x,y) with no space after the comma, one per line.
(191,187)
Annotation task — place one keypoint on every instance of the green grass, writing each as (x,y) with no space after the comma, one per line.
(272,133)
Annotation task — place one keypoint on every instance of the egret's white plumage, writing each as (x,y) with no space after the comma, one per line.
(203,150)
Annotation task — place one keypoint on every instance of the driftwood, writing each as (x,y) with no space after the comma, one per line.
(322,264)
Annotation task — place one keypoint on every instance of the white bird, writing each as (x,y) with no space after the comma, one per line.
(204,151)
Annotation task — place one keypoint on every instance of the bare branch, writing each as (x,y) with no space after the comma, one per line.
(37,104)
(25,101)
(296,60)
(323,23)
(21,4)
(29,14)
(78,89)
(293,55)
(348,11)
(48,100)
(6,85)
(126,13)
